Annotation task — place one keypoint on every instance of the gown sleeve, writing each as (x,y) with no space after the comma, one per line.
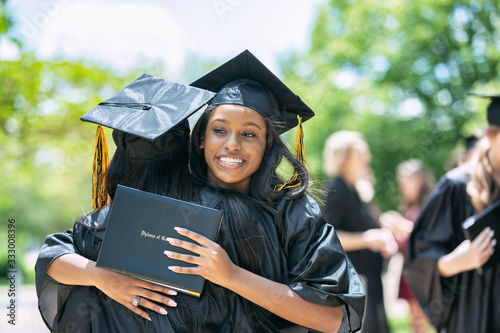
(437,232)
(319,269)
(52,295)
(50,292)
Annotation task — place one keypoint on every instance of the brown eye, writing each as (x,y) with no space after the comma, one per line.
(219,130)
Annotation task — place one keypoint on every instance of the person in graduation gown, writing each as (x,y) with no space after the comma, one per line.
(415,182)
(442,267)
(277,265)
(346,162)
(151,155)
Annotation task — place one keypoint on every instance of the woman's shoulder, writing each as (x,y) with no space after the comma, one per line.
(459,174)
(303,206)
(96,219)
(454,179)
(336,184)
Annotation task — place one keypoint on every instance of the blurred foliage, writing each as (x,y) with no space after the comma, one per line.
(398,72)
(45,150)
(5,20)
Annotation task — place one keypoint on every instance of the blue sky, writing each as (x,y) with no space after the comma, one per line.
(119,33)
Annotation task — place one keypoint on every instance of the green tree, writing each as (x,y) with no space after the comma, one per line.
(45,150)
(398,72)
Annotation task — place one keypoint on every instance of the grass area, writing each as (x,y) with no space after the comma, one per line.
(402,325)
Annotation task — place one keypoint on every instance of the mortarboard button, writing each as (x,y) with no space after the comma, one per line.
(149,107)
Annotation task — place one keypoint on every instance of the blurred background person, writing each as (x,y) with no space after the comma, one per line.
(463,153)
(415,182)
(444,269)
(347,162)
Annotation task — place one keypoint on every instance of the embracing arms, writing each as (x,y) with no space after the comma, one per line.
(74,269)
(215,265)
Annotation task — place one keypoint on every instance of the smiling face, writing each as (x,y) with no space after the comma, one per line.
(234,144)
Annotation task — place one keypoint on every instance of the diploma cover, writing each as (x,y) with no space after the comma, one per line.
(136,235)
(490,217)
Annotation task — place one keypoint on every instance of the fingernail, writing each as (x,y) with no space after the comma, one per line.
(170,240)
(171,268)
(163,311)
(172,303)
(167,253)
(172,292)
(179,229)
(148,318)
(494,242)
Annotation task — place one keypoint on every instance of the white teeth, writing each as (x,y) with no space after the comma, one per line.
(229,160)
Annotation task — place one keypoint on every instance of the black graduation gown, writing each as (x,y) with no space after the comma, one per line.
(345,211)
(311,261)
(466,302)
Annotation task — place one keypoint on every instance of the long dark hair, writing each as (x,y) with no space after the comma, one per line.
(240,208)
(168,176)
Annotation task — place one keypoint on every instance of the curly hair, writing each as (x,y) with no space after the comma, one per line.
(482,188)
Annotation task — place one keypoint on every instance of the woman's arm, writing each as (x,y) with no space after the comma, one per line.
(74,269)
(468,255)
(378,240)
(215,265)
(279,299)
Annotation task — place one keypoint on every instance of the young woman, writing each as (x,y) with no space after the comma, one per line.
(415,182)
(277,265)
(347,162)
(441,265)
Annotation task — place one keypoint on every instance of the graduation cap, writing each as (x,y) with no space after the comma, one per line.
(244,80)
(149,118)
(493,110)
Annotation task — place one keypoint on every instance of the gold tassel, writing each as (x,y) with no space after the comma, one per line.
(300,153)
(99,167)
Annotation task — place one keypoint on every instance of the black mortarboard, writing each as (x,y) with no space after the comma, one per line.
(470,142)
(244,80)
(493,111)
(149,118)
(143,112)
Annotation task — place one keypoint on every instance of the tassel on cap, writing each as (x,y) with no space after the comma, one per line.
(295,180)
(99,167)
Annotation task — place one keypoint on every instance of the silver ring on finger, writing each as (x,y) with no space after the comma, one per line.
(136,300)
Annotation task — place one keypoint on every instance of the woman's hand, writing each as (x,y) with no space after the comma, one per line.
(380,240)
(468,255)
(212,260)
(124,289)
(400,227)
